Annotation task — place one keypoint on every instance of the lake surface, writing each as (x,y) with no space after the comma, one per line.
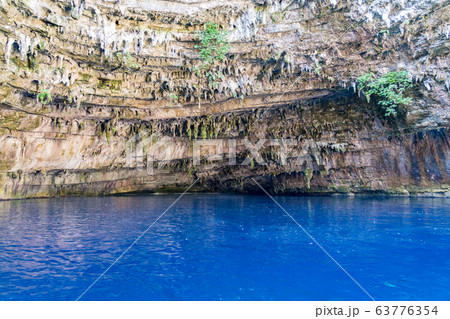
(225,247)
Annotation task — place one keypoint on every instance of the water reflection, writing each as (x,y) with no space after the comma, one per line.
(224,247)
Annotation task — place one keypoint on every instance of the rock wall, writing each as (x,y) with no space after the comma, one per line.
(123,87)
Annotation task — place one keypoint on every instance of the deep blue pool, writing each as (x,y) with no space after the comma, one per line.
(225,247)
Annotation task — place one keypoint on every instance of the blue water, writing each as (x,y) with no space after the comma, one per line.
(225,247)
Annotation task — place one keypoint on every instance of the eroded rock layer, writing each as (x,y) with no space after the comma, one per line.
(128,112)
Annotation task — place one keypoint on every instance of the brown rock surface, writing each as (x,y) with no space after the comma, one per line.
(114,67)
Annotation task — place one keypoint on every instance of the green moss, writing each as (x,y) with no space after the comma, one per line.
(108,137)
(83,177)
(32,63)
(6,165)
(13,175)
(195,130)
(308,176)
(40,46)
(12,122)
(113,85)
(85,77)
(19,63)
(189,131)
(342,189)
(126,61)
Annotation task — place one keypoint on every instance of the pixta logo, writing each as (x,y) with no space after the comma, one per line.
(149,152)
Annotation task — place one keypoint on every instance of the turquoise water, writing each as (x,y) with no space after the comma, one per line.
(225,247)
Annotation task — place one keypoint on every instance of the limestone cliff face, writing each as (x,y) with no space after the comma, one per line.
(122,81)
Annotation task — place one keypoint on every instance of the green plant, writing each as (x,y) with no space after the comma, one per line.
(44,96)
(214,78)
(127,61)
(389,89)
(41,46)
(173,97)
(317,67)
(213,45)
(213,48)
(113,85)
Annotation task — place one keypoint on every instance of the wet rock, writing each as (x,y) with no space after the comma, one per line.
(121,78)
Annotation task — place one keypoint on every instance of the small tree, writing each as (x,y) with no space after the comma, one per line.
(213,48)
(389,89)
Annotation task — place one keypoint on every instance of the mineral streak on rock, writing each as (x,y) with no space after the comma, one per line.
(113,69)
